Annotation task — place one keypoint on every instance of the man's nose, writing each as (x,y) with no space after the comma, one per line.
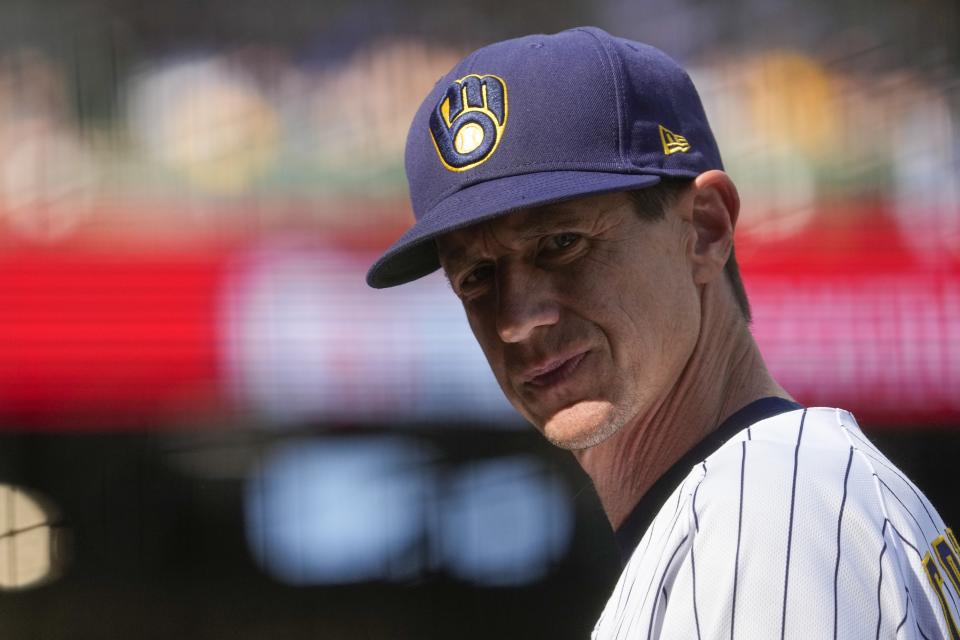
(525,302)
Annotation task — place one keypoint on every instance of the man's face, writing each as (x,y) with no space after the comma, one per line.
(586,313)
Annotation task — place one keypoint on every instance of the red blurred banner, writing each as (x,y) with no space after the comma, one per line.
(844,317)
(109,338)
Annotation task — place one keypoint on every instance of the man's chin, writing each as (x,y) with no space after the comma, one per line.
(582,425)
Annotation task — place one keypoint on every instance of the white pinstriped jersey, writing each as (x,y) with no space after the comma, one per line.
(796,527)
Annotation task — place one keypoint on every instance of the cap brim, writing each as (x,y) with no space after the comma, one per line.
(414,255)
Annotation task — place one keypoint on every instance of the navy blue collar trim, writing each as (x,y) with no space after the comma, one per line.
(636,524)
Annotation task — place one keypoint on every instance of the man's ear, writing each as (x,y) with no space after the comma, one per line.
(716,205)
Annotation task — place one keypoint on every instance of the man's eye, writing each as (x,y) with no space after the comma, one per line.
(476,275)
(562,241)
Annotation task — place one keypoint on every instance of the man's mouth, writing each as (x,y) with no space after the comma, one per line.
(553,371)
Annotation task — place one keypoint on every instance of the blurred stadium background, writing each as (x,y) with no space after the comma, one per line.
(210,428)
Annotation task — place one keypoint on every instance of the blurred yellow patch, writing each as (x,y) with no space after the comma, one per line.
(791,99)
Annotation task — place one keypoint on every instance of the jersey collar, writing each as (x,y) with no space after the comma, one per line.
(636,524)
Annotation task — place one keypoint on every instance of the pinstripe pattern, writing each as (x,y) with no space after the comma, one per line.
(793,501)
(661,587)
(879,584)
(693,560)
(906,612)
(693,596)
(910,545)
(632,618)
(897,498)
(836,567)
(733,553)
(696,520)
(736,561)
(879,459)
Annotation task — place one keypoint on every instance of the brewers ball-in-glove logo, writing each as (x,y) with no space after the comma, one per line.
(467,123)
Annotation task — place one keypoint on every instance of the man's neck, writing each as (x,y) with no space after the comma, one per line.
(724,374)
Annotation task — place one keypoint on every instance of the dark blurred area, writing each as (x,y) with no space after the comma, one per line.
(156,553)
(210,427)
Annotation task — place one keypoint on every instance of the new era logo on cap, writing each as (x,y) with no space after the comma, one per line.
(468,122)
(673,142)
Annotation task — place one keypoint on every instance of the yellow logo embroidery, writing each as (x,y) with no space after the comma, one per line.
(947,551)
(467,123)
(673,142)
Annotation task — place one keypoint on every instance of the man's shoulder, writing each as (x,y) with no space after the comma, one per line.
(816,453)
(785,435)
(816,462)
(782,437)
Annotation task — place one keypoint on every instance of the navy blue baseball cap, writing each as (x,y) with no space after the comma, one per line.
(537,120)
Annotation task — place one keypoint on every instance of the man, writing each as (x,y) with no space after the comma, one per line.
(572,191)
